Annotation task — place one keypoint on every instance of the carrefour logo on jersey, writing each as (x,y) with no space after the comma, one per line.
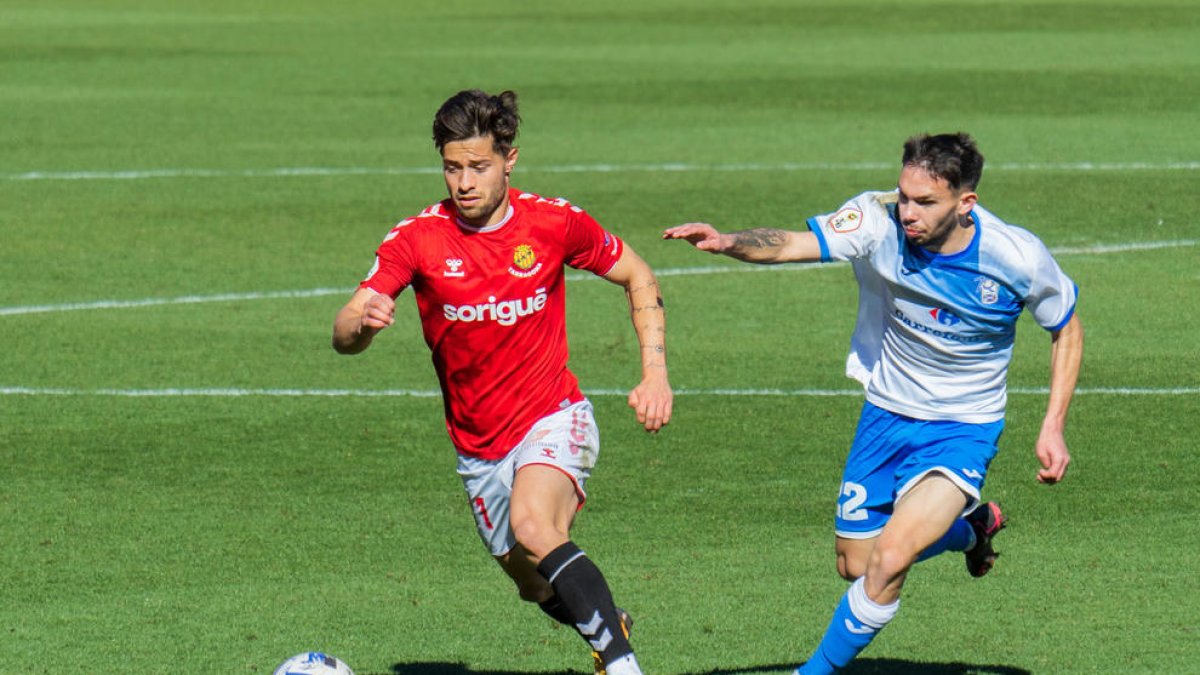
(504,312)
(944,317)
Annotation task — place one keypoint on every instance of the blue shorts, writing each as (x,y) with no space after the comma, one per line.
(892,452)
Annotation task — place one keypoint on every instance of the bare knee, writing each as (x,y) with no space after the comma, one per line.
(889,563)
(537,536)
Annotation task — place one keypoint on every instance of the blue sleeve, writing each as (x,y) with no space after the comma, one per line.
(1070,312)
(816,229)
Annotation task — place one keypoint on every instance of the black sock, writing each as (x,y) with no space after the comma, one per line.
(555,609)
(585,597)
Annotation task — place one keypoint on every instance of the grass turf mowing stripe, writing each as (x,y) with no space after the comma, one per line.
(678,167)
(1098,249)
(431,393)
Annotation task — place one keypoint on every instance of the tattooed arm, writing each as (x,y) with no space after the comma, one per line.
(652,398)
(760,245)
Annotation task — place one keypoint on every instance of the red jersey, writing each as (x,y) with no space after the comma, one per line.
(492,310)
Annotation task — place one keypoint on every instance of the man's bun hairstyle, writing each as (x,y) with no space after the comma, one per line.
(473,113)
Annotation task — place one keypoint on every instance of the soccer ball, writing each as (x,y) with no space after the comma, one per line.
(313,663)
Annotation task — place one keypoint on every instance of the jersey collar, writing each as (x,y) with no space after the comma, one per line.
(972,248)
(490,228)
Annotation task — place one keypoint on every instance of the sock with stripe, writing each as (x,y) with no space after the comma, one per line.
(856,621)
(586,598)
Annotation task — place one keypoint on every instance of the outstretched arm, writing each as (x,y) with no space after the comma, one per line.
(356,324)
(652,397)
(1066,354)
(760,245)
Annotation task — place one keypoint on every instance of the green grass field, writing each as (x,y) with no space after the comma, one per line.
(167,507)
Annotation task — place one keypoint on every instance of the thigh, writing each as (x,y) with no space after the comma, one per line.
(921,517)
(567,441)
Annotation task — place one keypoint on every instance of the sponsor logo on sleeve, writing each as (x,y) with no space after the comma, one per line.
(846,220)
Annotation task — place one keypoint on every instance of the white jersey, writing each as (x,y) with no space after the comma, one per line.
(935,332)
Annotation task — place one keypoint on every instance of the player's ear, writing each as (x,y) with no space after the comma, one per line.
(966,202)
(510,160)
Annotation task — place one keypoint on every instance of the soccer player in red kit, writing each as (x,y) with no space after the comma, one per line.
(486,267)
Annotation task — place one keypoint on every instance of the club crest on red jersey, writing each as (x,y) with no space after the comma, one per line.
(525,262)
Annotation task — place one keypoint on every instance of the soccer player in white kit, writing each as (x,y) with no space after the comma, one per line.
(486,266)
(941,284)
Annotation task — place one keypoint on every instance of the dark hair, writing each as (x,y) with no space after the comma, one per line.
(951,157)
(473,113)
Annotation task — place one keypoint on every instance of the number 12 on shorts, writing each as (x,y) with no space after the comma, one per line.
(849,509)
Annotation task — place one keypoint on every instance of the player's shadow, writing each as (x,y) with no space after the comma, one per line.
(883,667)
(901,667)
(858,667)
(458,669)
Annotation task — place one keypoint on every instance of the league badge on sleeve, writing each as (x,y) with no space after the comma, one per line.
(846,220)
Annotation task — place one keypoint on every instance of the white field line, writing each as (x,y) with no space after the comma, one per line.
(306,171)
(179,300)
(434,393)
(1098,249)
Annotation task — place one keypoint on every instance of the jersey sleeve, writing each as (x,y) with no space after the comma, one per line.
(394,269)
(588,245)
(1052,294)
(852,231)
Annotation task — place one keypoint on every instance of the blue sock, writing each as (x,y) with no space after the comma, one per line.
(855,623)
(959,537)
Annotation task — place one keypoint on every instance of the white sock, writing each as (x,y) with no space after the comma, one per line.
(626,665)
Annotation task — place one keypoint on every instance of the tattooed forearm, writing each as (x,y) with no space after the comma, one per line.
(761,237)
(649,316)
